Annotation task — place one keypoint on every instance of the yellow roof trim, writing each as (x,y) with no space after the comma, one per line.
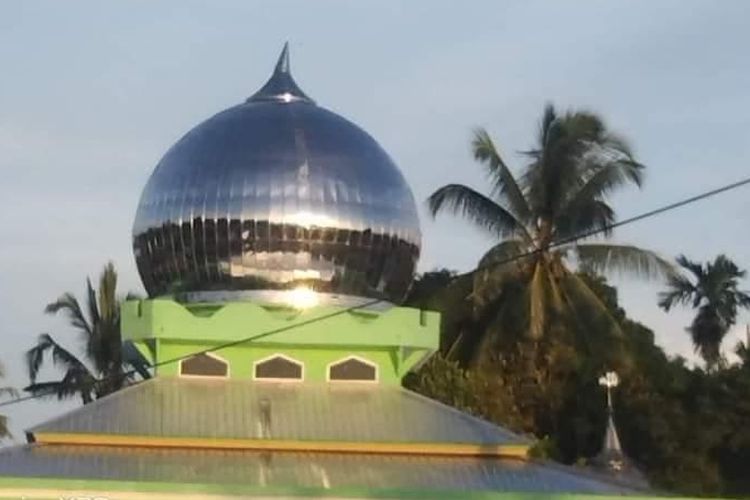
(454,449)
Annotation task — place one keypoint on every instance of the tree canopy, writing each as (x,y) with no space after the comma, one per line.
(713,290)
(685,427)
(544,218)
(103,369)
(526,335)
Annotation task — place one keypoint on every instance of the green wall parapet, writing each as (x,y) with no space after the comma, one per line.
(395,340)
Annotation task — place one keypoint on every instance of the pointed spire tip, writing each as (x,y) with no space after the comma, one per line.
(281,87)
(282,65)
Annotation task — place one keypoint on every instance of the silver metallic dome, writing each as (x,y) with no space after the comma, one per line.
(275,193)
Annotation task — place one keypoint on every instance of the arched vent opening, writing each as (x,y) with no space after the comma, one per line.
(353,369)
(278,367)
(204,365)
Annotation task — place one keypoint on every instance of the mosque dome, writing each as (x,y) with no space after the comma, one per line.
(274,194)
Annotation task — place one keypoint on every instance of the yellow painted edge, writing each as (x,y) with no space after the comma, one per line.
(471,450)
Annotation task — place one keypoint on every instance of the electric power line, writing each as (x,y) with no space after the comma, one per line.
(604,229)
(555,244)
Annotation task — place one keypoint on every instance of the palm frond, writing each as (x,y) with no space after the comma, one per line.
(504,184)
(584,128)
(92,305)
(583,295)
(108,303)
(559,166)
(694,267)
(549,117)
(63,389)
(63,357)
(680,291)
(499,265)
(537,301)
(132,357)
(579,163)
(502,322)
(35,355)
(594,215)
(47,389)
(72,309)
(591,313)
(477,208)
(60,357)
(623,259)
(78,382)
(504,253)
(555,270)
(605,178)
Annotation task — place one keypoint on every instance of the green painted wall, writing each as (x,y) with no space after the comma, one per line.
(395,339)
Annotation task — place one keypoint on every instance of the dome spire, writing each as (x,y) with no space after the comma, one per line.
(282,65)
(611,459)
(281,87)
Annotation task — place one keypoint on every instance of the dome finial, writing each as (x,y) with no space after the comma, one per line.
(282,65)
(281,87)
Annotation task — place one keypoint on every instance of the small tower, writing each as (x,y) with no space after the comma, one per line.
(612,459)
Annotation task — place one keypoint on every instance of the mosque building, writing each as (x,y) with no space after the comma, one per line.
(275,241)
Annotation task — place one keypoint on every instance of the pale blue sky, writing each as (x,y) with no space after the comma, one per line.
(93,93)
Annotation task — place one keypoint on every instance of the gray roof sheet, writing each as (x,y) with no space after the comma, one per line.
(228,408)
(305,470)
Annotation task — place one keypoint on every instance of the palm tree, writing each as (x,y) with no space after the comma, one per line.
(561,193)
(103,372)
(11,392)
(712,289)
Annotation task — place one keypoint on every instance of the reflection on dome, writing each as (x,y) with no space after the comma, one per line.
(273,194)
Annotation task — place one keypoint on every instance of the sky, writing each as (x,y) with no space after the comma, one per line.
(93,93)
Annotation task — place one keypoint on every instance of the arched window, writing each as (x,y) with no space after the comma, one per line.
(353,369)
(204,365)
(278,367)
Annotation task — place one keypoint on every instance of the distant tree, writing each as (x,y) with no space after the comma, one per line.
(428,288)
(686,428)
(478,392)
(713,289)
(742,350)
(103,371)
(5,391)
(576,164)
(449,293)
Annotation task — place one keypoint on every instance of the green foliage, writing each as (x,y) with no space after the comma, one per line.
(476,392)
(686,428)
(103,372)
(10,392)
(713,290)
(562,192)
(446,291)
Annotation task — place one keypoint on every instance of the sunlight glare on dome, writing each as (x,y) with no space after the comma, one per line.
(302,298)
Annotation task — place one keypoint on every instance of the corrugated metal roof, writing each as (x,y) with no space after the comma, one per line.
(242,409)
(310,470)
